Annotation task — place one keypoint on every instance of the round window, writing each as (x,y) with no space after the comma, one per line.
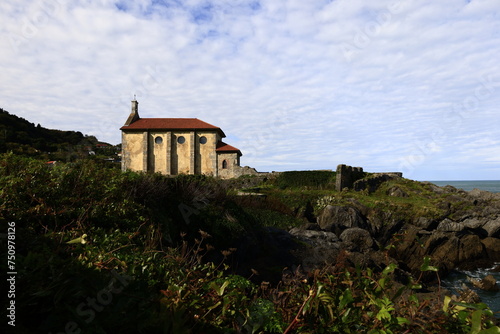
(203,140)
(158,140)
(181,140)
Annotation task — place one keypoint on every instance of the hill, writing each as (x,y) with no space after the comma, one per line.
(22,137)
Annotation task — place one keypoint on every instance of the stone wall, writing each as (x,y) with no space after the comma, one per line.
(347,175)
(374,181)
(236,171)
(351,178)
(134,151)
(159,151)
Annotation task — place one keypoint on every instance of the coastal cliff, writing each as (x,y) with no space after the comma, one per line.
(412,220)
(376,219)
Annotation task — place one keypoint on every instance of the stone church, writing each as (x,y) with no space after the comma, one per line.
(174,146)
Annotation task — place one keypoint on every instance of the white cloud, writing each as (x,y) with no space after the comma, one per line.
(295,84)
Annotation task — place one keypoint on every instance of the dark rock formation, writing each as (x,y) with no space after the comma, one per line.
(492,227)
(465,236)
(397,192)
(357,239)
(338,218)
(315,238)
(492,246)
(320,248)
(484,195)
(473,224)
(426,223)
(488,283)
(268,253)
(462,233)
(449,226)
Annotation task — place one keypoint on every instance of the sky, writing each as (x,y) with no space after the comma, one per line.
(388,85)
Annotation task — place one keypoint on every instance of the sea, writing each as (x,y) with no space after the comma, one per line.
(491,186)
(456,279)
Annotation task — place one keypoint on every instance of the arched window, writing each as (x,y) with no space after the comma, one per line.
(224,164)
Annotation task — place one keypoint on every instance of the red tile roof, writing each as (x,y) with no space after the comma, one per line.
(171,124)
(223,147)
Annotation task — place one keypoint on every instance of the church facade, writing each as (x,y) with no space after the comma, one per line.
(174,146)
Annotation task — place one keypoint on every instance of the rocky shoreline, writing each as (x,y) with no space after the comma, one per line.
(466,237)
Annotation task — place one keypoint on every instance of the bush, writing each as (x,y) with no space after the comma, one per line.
(297,179)
(66,196)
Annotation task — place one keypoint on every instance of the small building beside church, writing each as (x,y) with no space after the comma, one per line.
(174,146)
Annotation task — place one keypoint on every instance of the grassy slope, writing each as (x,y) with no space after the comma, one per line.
(422,201)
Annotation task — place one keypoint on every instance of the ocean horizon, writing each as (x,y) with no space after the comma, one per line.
(468,185)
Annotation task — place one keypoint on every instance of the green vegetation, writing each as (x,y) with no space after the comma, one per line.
(315,179)
(111,252)
(420,202)
(25,138)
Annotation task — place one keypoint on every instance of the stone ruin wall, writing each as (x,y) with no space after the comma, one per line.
(348,175)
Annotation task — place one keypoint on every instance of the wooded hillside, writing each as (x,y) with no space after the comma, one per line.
(23,137)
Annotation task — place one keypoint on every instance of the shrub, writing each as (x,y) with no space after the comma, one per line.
(296,179)
(66,196)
